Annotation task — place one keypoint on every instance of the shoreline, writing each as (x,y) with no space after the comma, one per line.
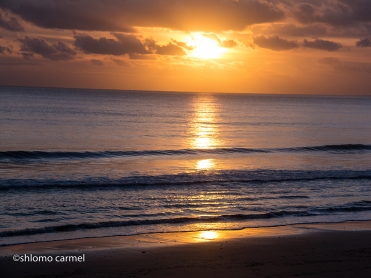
(278,229)
(160,239)
(333,249)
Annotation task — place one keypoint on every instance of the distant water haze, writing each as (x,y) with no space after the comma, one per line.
(77,163)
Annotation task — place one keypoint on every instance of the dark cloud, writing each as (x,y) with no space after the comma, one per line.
(70,15)
(4,49)
(332,12)
(366,42)
(121,15)
(322,45)
(182,45)
(290,29)
(275,43)
(123,44)
(136,56)
(53,51)
(96,62)
(9,22)
(170,49)
(360,9)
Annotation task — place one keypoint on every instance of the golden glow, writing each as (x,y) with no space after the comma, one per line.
(203,142)
(203,126)
(208,235)
(205,164)
(204,48)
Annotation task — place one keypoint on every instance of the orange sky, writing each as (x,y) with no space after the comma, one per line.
(252,46)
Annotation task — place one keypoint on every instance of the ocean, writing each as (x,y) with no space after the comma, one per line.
(78,163)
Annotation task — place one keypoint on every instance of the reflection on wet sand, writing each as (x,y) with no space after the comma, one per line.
(208,235)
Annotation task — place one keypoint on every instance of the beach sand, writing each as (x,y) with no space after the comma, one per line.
(308,250)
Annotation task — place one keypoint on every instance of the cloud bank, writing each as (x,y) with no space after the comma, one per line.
(122,15)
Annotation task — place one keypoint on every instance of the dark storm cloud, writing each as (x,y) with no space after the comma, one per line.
(9,22)
(121,15)
(53,51)
(4,50)
(364,43)
(322,45)
(275,43)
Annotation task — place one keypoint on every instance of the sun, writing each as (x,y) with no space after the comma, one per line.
(204,48)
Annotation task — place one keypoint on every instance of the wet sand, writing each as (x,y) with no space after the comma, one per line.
(315,250)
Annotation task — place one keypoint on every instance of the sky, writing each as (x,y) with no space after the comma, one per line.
(247,46)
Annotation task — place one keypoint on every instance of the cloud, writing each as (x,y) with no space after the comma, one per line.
(123,44)
(332,12)
(121,15)
(346,66)
(9,22)
(227,43)
(182,45)
(360,9)
(96,62)
(366,42)
(275,43)
(290,29)
(120,62)
(170,49)
(55,51)
(322,45)
(4,49)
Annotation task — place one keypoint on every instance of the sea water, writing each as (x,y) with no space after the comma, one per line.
(80,163)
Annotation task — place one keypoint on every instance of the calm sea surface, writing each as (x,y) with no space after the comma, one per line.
(84,163)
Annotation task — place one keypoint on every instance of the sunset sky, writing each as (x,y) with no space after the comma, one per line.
(252,46)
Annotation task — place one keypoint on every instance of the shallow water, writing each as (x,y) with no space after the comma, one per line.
(78,163)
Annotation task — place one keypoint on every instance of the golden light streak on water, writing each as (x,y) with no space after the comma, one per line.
(205,164)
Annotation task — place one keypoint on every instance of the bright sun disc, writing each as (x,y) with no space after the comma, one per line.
(205,48)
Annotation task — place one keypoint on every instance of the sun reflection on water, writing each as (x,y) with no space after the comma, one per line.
(205,164)
(203,126)
(204,129)
(208,235)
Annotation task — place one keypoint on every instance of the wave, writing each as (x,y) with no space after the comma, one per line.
(178,220)
(225,177)
(37,155)
(350,207)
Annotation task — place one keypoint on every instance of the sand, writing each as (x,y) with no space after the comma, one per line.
(316,250)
